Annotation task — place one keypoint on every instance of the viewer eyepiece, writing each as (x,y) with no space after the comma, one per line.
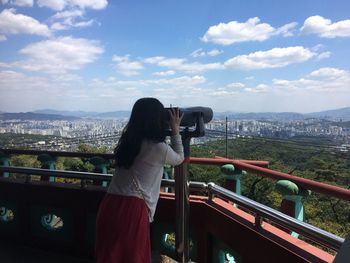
(192,114)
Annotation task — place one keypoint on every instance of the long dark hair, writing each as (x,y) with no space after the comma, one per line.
(147,121)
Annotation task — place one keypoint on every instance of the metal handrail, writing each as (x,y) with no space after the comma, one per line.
(314,233)
(57,173)
(261,211)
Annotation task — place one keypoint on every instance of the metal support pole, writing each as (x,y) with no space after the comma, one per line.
(226,138)
(182,206)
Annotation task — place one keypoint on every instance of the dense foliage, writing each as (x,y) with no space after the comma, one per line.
(304,158)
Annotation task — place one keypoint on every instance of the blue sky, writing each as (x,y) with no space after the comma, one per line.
(247,56)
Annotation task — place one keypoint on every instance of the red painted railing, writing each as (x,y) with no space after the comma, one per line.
(318,187)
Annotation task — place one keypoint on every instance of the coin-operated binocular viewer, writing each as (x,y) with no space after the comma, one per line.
(192,125)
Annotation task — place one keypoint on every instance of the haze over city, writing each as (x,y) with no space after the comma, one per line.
(242,56)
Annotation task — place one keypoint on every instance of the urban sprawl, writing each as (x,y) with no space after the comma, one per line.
(67,135)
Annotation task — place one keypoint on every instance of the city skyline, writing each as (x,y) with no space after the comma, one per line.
(238,56)
(86,113)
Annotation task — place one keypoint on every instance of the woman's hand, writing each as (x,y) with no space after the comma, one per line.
(175,120)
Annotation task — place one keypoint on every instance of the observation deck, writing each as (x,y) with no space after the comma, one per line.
(48,215)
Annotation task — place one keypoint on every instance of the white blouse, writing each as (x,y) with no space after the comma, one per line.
(147,169)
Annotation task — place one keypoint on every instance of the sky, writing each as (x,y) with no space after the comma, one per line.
(230,55)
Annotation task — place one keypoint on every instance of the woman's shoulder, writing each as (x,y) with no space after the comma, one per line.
(153,151)
(155,145)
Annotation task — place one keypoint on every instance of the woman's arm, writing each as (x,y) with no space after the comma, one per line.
(175,153)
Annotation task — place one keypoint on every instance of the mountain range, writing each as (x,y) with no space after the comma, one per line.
(87,114)
(34,116)
(342,114)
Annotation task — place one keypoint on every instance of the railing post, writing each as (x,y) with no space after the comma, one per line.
(100,166)
(182,206)
(47,162)
(293,200)
(232,178)
(4,161)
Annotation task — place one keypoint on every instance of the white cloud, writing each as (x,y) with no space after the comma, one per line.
(21,3)
(59,5)
(323,85)
(68,19)
(200,53)
(53,4)
(84,23)
(68,14)
(321,80)
(5,65)
(167,83)
(236,85)
(234,88)
(169,90)
(59,26)
(324,55)
(125,66)
(181,64)
(12,23)
(3,38)
(325,28)
(317,47)
(214,52)
(329,73)
(286,30)
(258,89)
(238,89)
(59,55)
(12,82)
(220,92)
(165,62)
(304,86)
(273,58)
(164,73)
(251,30)
(21,92)
(185,81)
(69,23)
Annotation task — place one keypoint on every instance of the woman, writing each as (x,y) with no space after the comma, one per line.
(122,227)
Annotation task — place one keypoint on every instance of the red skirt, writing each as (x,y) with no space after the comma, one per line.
(122,230)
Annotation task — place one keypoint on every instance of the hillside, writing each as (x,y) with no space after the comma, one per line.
(337,114)
(85,114)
